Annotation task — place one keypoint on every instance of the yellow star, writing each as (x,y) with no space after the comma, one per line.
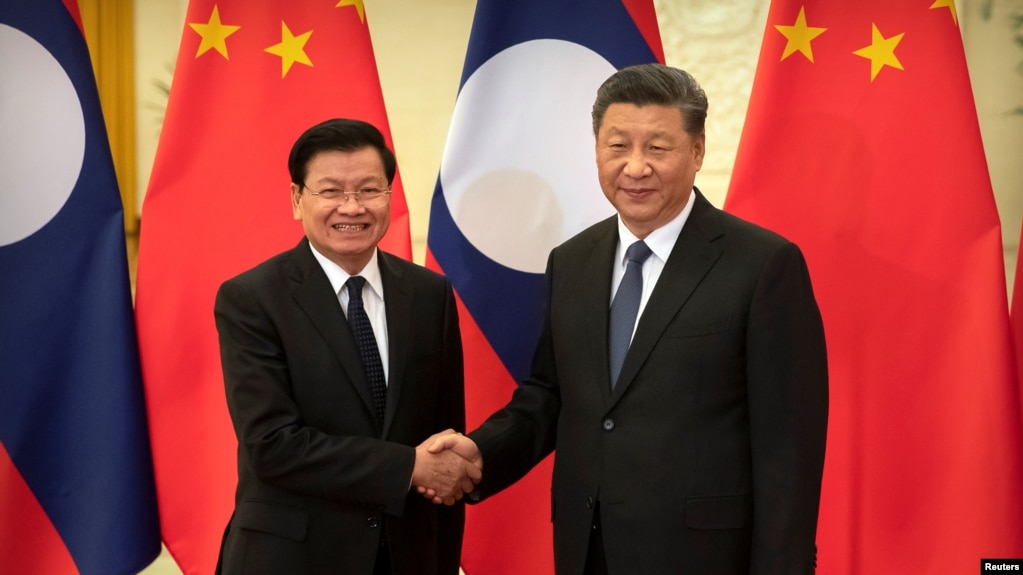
(358,8)
(214,34)
(951,5)
(799,36)
(291,49)
(881,52)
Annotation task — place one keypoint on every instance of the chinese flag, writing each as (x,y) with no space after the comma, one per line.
(250,78)
(861,144)
(504,198)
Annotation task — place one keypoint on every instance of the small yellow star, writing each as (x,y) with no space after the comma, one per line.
(881,52)
(358,8)
(799,36)
(951,5)
(291,49)
(214,34)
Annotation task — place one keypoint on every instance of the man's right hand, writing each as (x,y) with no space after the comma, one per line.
(448,465)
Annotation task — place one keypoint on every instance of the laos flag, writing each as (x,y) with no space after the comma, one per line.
(517,178)
(76,476)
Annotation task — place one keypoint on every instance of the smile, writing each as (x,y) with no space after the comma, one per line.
(350,227)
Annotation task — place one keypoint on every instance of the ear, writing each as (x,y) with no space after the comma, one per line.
(699,149)
(296,201)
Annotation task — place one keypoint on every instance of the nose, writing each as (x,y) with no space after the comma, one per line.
(349,205)
(636,164)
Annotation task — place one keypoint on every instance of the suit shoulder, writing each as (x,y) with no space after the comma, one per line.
(736,229)
(273,270)
(590,236)
(753,231)
(411,271)
(754,244)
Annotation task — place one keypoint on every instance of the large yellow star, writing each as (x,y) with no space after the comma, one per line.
(214,34)
(881,51)
(799,36)
(951,5)
(291,49)
(358,8)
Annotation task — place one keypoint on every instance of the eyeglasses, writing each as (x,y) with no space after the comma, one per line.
(366,197)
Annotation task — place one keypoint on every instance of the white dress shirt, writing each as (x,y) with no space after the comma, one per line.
(660,241)
(372,298)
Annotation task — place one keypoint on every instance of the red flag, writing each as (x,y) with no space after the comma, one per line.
(250,78)
(504,198)
(862,145)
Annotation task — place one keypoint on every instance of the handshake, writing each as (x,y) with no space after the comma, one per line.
(448,465)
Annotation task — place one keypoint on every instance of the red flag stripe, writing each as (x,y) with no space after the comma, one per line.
(31,544)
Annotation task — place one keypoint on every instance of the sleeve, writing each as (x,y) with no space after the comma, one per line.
(520,435)
(787,379)
(451,415)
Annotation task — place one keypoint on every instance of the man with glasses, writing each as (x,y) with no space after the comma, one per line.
(332,382)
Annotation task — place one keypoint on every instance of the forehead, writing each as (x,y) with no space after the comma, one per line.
(630,119)
(361,163)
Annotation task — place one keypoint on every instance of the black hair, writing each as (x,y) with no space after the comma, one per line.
(337,134)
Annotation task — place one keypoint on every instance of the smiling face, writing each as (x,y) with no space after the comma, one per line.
(647,164)
(346,233)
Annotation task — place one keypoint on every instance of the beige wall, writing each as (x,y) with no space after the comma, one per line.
(996,71)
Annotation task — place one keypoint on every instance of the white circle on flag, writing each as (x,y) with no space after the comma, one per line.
(42,136)
(519,170)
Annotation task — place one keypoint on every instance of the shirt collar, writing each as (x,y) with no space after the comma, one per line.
(338,276)
(660,241)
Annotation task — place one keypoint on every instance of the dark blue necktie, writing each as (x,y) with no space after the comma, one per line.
(625,307)
(367,342)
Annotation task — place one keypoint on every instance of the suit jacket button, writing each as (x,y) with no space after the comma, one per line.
(373,522)
(609,424)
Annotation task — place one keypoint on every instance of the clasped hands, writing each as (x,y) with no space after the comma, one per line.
(448,465)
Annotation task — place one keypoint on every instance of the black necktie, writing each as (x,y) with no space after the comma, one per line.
(625,307)
(367,342)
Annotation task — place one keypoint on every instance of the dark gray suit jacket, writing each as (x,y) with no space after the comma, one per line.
(319,480)
(707,457)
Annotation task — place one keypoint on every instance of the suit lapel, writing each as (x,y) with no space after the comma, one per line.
(398,299)
(597,295)
(690,260)
(315,296)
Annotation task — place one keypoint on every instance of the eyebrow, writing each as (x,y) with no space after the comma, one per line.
(336,183)
(651,136)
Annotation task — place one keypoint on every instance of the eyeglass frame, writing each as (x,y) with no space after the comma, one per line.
(361,200)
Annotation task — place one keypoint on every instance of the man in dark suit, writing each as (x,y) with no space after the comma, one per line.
(698,447)
(332,381)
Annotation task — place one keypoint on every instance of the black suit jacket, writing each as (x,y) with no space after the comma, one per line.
(320,481)
(707,456)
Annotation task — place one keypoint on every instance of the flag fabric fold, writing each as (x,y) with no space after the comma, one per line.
(76,477)
(517,178)
(1017,314)
(249,79)
(861,144)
